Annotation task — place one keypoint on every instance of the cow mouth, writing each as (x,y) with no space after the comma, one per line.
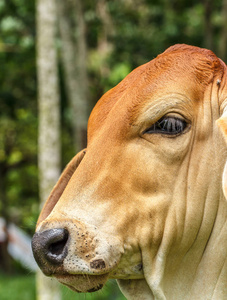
(83,283)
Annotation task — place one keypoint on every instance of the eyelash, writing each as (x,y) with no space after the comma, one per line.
(168,126)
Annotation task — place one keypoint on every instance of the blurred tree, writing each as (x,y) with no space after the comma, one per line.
(223,36)
(74,57)
(208,25)
(49,120)
(106,32)
(18,121)
(17,118)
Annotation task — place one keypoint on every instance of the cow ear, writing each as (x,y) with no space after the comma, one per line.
(60,186)
(222,124)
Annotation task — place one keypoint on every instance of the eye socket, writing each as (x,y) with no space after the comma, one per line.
(168,125)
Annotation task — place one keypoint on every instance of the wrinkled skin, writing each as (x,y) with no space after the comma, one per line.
(147,207)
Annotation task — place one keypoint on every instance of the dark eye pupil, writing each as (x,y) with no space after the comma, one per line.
(168,125)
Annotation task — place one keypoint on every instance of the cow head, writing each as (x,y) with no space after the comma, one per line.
(144,203)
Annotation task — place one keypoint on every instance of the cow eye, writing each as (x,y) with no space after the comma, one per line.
(168,125)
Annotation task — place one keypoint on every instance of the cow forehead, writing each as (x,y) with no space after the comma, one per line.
(181,69)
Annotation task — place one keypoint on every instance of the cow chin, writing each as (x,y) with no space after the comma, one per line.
(83,283)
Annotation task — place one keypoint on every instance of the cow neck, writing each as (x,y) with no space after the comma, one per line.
(194,275)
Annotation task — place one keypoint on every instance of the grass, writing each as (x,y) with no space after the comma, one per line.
(23,287)
(17,287)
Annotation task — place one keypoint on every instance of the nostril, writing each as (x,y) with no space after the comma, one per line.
(57,245)
(57,248)
(50,246)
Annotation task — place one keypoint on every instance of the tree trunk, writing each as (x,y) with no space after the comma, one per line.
(223,36)
(105,47)
(208,6)
(49,120)
(47,288)
(74,58)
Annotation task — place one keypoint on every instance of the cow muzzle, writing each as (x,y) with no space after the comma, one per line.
(50,248)
(70,249)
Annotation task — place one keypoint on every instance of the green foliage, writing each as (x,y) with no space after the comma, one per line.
(17,288)
(18,113)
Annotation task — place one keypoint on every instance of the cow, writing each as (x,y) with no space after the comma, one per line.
(145,203)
